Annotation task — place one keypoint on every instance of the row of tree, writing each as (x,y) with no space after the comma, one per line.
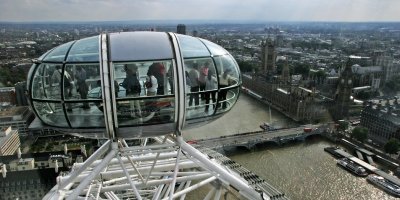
(361,134)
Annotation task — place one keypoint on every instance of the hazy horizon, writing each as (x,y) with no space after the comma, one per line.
(206,10)
(174,22)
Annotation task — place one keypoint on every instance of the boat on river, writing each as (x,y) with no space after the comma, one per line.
(384,184)
(267,127)
(332,150)
(352,167)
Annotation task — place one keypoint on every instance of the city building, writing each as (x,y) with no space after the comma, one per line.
(29,184)
(342,100)
(20,94)
(382,121)
(7,97)
(268,56)
(367,76)
(19,118)
(181,29)
(31,176)
(298,103)
(9,141)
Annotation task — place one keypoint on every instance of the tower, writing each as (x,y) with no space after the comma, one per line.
(343,92)
(285,78)
(268,56)
(181,29)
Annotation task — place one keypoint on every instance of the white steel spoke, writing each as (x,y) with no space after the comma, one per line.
(164,170)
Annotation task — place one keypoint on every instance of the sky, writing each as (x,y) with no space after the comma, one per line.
(229,10)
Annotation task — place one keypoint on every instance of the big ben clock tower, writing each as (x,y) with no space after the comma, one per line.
(343,93)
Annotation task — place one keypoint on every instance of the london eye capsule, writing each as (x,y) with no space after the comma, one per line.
(132,84)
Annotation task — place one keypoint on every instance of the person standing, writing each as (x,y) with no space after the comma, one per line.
(194,85)
(64,83)
(151,82)
(159,72)
(223,83)
(211,84)
(82,86)
(203,73)
(133,88)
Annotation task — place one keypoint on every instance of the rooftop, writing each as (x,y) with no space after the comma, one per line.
(12,111)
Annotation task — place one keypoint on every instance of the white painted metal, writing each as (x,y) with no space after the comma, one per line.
(153,175)
(105,82)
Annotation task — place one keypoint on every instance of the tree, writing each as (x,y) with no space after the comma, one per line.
(246,66)
(392,146)
(302,69)
(360,133)
(393,85)
(343,125)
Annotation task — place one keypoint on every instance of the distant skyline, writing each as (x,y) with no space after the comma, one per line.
(204,10)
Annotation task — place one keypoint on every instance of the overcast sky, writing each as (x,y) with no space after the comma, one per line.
(261,10)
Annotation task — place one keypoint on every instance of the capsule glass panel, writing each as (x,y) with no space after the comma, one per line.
(192,47)
(140,46)
(85,78)
(140,91)
(85,50)
(85,115)
(201,85)
(227,70)
(215,49)
(42,87)
(227,98)
(58,54)
(51,113)
(137,85)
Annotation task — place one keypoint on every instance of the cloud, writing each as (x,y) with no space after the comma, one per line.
(271,10)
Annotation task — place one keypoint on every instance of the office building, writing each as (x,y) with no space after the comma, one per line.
(18,118)
(181,29)
(9,141)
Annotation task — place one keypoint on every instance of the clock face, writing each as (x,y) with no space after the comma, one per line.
(349,82)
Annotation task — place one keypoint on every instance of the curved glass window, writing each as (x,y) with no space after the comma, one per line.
(228,74)
(84,78)
(85,50)
(58,53)
(128,46)
(215,50)
(51,113)
(226,99)
(192,47)
(46,82)
(137,87)
(45,54)
(201,87)
(144,79)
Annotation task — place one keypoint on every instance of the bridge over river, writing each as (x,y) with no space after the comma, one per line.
(250,139)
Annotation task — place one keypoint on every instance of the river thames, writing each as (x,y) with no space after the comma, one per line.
(300,170)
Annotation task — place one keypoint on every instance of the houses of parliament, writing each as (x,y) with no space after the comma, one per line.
(296,96)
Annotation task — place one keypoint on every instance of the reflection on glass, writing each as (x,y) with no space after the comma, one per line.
(68,84)
(227,70)
(85,83)
(86,117)
(85,50)
(140,46)
(226,99)
(46,82)
(58,54)
(51,113)
(143,78)
(145,111)
(215,49)
(192,47)
(201,86)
